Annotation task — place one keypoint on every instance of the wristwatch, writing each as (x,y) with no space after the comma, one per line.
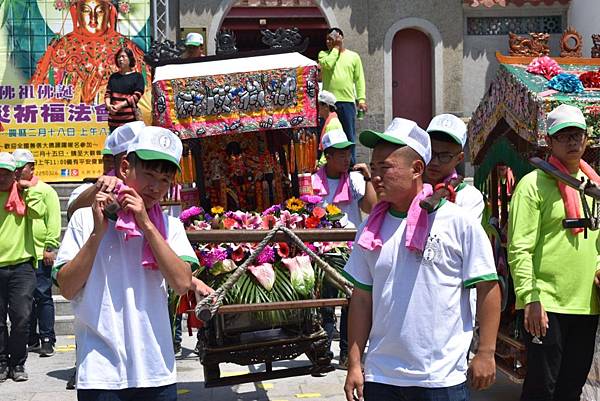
(367,179)
(50,249)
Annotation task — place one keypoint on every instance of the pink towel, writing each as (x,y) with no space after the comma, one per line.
(569,195)
(126,223)
(321,186)
(417,224)
(14,202)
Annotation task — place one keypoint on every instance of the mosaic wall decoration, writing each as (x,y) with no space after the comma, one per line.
(478,26)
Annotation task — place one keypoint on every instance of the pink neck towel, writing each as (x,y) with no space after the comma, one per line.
(126,223)
(417,224)
(569,195)
(321,186)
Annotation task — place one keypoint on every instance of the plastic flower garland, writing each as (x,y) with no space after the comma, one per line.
(567,83)
(590,79)
(545,66)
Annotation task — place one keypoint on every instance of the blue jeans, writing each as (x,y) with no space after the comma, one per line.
(386,392)
(346,112)
(17,283)
(42,314)
(164,393)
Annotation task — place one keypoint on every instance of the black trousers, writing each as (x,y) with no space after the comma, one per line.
(558,367)
(17,283)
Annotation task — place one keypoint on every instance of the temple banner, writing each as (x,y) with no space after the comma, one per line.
(238,95)
(55,60)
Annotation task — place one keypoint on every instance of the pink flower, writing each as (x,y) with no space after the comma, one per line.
(289,220)
(266,256)
(313,199)
(200,225)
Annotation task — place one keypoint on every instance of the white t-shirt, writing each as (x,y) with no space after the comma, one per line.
(121,316)
(78,191)
(469,198)
(422,324)
(351,208)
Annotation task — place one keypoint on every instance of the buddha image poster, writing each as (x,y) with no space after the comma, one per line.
(56,57)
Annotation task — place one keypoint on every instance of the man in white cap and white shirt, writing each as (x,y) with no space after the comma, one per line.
(448,135)
(411,270)
(18,207)
(116,143)
(46,235)
(194,45)
(351,191)
(116,272)
(553,268)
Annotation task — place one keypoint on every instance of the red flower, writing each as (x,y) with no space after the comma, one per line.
(319,212)
(283,249)
(312,222)
(238,254)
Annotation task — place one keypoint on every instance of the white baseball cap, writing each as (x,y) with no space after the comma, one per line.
(22,157)
(157,143)
(118,141)
(336,138)
(194,39)
(565,116)
(450,125)
(401,132)
(327,97)
(106,150)
(7,161)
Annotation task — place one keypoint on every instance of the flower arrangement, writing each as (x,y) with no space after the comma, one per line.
(280,272)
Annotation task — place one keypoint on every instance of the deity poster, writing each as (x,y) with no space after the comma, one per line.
(239,95)
(56,57)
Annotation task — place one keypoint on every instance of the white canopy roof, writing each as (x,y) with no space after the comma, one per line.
(231,66)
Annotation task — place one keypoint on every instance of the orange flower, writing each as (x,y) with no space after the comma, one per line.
(319,212)
(228,223)
(312,222)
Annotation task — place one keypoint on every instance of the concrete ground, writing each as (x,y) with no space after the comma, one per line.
(48,377)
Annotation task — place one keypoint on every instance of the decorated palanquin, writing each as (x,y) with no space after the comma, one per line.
(249,123)
(506,130)
(236,95)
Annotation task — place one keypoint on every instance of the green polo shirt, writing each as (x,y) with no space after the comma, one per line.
(16,232)
(343,74)
(46,231)
(549,263)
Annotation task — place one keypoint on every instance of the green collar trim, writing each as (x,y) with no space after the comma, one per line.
(397,213)
(460,186)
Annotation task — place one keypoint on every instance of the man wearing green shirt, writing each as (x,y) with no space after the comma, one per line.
(18,206)
(343,75)
(553,268)
(46,236)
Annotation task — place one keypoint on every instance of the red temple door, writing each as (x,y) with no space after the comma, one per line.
(412,77)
